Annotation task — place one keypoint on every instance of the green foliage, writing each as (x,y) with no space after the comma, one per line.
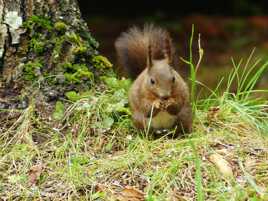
(89,38)
(198,175)
(74,38)
(116,84)
(39,21)
(60,26)
(32,70)
(116,105)
(79,159)
(57,44)
(110,107)
(17,179)
(73,96)
(80,46)
(37,46)
(106,123)
(73,55)
(58,114)
(101,62)
(75,171)
(77,73)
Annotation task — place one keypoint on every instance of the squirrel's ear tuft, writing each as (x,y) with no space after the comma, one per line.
(167,49)
(149,56)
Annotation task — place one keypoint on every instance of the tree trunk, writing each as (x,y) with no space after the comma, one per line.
(44,42)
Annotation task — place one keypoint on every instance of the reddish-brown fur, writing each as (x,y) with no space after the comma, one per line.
(148,56)
(132,48)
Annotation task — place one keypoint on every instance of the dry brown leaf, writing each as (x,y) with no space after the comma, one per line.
(222,165)
(177,196)
(223,151)
(130,194)
(250,164)
(34,173)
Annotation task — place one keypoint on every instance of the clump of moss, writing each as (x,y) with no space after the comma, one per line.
(39,22)
(76,73)
(32,70)
(60,26)
(74,38)
(37,46)
(80,46)
(101,62)
(57,43)
(71,58)
(90,40)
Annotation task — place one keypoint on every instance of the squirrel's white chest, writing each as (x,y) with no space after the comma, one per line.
(163,120)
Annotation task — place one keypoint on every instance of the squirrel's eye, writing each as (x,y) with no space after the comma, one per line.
(152,81)
(173,79)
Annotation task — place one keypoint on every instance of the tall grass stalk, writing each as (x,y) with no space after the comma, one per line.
(194,68)
(198,174)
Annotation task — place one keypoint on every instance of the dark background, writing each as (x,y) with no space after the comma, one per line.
(228,28)
(129,8)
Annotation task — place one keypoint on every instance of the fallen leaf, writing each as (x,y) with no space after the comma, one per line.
(130,194)
(222,165)
(250,164)
(34,173)
(223,151)
(176,195)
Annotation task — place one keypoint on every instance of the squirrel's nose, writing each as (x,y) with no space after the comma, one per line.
(165,97)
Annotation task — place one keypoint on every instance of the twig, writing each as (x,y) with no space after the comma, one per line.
(201,53)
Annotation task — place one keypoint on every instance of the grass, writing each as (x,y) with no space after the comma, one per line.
(94,153)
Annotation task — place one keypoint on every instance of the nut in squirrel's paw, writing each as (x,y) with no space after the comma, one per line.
(173,107)
(170,106)
(158,104)
(169,102)
(163,105)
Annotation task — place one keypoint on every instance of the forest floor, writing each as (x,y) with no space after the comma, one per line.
(88,148)
(94,153)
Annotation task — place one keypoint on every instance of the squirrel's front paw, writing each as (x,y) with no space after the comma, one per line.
(173,109)
(156,107)
(160,105)
(157,104)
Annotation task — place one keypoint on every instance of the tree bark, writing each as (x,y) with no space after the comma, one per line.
(43,36)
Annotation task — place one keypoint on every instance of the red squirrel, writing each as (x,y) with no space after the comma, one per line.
(159,97)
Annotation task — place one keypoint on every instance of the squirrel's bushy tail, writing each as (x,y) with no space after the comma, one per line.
(132,48)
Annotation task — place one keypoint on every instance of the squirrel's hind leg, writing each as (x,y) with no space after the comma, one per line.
(185,120)
(139,120)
